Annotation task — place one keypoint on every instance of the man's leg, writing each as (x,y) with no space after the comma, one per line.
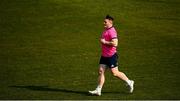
(119,74)
(123,77)
(101,80)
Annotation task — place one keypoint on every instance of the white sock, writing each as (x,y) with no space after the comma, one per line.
(99,88)
(128,82)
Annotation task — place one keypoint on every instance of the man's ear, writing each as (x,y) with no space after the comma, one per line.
(111,21)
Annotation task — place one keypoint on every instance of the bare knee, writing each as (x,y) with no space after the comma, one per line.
(115,72)
(101,71)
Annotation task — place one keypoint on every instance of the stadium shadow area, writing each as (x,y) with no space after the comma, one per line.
(46,88)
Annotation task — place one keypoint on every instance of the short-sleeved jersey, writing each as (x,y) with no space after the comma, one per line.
(108,35)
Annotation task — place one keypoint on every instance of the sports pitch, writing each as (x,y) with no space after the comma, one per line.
(49,49)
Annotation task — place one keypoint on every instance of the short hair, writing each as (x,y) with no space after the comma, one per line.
(109,17)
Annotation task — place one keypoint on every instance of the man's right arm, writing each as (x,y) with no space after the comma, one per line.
(113,42)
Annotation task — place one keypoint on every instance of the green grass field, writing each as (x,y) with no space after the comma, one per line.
(49,49)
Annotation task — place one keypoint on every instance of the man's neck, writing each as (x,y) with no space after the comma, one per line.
(109,26)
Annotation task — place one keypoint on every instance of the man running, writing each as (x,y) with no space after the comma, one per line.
(109,57)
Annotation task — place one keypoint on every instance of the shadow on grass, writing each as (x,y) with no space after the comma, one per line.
(46,88)
(116,92)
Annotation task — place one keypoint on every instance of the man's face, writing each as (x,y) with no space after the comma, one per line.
(107,23)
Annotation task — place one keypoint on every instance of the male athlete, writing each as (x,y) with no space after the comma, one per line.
(109,57)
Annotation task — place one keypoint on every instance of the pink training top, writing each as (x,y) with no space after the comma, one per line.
(108,35)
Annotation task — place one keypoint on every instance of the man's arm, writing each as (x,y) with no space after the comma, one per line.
(113,42)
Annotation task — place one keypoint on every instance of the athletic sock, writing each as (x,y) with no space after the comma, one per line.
(128,82)
(99,88)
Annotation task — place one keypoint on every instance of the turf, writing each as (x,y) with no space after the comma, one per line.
(49,49)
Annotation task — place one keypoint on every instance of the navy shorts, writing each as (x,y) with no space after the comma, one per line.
(111,62)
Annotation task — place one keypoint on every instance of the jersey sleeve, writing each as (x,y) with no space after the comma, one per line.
(112,34)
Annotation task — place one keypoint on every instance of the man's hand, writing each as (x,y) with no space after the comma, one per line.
(103,41)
